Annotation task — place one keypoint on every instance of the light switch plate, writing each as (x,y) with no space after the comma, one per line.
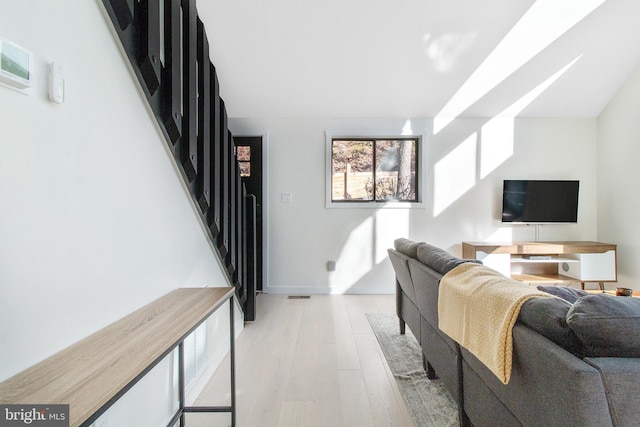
(286,197)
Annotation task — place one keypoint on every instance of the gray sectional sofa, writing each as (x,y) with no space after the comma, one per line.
(576,359)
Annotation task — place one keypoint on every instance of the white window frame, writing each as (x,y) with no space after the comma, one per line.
(389,204)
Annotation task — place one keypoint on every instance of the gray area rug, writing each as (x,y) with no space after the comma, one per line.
(428,401)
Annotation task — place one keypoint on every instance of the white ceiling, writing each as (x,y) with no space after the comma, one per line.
(421,58)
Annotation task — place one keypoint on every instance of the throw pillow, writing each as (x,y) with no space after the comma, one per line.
(548,317)
(567,294)
(607,326)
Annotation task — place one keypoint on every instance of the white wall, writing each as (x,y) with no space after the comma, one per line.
(618,178)
(94,219)
(465,165)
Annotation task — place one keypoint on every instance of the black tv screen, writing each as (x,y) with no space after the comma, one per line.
(527,201)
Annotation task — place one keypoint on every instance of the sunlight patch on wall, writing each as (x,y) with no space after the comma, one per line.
(356,258)
(517,107)
(496,143)
(502,234)
(497,135)
(390,224)
(406,129)
(367,246)
(454,174)
(541,25)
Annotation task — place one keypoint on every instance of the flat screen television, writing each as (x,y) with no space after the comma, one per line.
(539,202)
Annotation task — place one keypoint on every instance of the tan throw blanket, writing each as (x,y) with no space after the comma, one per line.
(477,307)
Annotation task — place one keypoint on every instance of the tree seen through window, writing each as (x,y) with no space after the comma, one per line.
(374,170)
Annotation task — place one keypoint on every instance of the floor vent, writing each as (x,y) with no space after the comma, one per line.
(299,297)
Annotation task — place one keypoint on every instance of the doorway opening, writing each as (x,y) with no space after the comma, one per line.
(249,153)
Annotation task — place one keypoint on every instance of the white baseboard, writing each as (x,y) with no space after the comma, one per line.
(325,290)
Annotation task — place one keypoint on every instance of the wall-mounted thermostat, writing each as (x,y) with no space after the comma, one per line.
(16,65)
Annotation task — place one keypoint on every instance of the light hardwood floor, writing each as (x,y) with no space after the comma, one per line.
(313,362)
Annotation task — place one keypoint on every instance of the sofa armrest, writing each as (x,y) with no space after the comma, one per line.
(427,282)
(400,267)
(549,386)
(621,379)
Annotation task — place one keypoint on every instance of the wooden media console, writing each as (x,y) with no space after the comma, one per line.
(562,262)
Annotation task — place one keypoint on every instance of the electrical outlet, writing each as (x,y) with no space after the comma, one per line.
(286,197)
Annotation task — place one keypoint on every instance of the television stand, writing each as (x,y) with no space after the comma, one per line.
(563,262)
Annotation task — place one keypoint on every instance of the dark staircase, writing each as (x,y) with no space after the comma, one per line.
(170,58)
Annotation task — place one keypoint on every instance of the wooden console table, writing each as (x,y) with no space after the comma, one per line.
(92,374)
(552,262)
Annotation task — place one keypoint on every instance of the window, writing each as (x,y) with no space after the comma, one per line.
(243,155)
(369,170)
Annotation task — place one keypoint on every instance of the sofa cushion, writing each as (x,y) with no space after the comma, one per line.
(607,326)
(406,246)
(439,259)
(548,317)
(567,294)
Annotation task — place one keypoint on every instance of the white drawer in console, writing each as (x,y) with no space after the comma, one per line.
(590,267)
